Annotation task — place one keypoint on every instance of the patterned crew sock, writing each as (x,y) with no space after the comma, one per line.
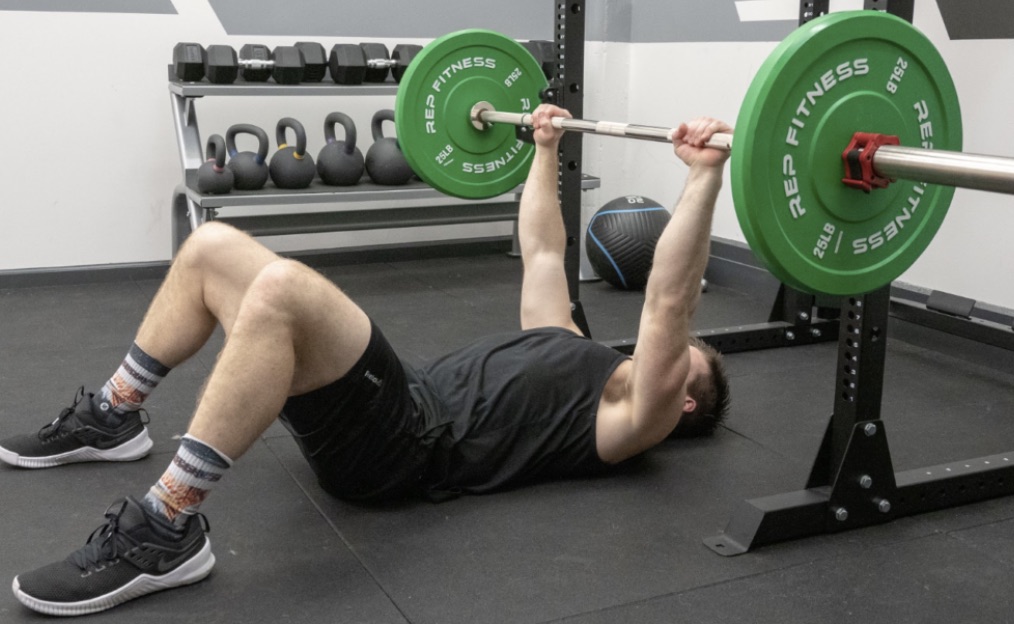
(133,381)
(186,483)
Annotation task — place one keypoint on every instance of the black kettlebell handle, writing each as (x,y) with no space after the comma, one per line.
(289,122)
(215,151)
(262,140)
(346,123)
(379,117)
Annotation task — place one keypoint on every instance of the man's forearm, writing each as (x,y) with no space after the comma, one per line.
(540,224)
(681,254)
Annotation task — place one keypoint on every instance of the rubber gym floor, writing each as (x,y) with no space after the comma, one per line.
(625,548)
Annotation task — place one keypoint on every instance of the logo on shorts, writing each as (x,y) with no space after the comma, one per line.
(376,381)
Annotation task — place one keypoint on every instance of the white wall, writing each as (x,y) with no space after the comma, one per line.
(666,83)
(90,158)
(971,256)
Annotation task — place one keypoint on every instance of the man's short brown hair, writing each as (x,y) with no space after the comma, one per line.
(710,392)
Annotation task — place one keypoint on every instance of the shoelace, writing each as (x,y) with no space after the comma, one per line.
(103,545)
(54,427)
(97,552)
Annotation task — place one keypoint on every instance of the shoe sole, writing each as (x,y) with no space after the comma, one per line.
(191,571)
(135,448)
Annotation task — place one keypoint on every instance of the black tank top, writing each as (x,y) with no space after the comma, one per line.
(515,407)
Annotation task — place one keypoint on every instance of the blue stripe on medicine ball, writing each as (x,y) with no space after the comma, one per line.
(623,258)
(609,256)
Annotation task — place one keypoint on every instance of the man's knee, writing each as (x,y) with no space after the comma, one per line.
(276,289)
(212,238)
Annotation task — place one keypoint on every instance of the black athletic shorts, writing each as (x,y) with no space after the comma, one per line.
(363,434)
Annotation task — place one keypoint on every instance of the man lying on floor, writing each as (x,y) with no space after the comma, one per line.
(508,409)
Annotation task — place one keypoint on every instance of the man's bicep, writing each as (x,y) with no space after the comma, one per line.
(545,299)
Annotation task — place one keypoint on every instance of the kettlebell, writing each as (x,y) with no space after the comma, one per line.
(213,176)
(384,161)
(291,167)
(340,163)
(249,168)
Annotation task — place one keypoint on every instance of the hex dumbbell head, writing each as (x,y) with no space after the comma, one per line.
(347,64)
(221,66)
(260,69)
(402,55)
(288,65)
(314,60)
(375,52)
(188,61)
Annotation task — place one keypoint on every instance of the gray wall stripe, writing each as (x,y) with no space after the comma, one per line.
(160,7)
(607,20)
(983,19)
(653,21)
(662,21)
(521,19)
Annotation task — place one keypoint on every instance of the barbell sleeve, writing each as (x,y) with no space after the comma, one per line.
(973,171)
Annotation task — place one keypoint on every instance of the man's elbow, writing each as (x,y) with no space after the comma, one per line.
(669,303)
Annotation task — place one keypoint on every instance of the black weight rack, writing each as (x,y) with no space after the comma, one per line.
(852,482)
(190,208)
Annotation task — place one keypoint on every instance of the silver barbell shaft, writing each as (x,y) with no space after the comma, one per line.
(974,171)
(609,128)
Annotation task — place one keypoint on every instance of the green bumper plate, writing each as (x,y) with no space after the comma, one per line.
(434,103)
(860,71)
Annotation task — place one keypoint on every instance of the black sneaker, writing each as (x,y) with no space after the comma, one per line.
(79,435)
(133,554)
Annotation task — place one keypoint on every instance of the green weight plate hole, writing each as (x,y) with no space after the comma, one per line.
(458,110)
(836,201)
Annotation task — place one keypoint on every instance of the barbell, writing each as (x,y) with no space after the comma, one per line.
(845,105)
(884,161)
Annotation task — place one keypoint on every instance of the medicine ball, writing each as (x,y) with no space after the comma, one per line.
(621,239)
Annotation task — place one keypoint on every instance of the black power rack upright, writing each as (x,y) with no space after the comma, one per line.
(852,483)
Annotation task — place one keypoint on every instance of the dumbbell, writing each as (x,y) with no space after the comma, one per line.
(221,65)
(369,62)
(314,60)
(188,61)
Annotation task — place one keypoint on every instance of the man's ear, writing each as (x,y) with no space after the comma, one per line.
(689,404)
